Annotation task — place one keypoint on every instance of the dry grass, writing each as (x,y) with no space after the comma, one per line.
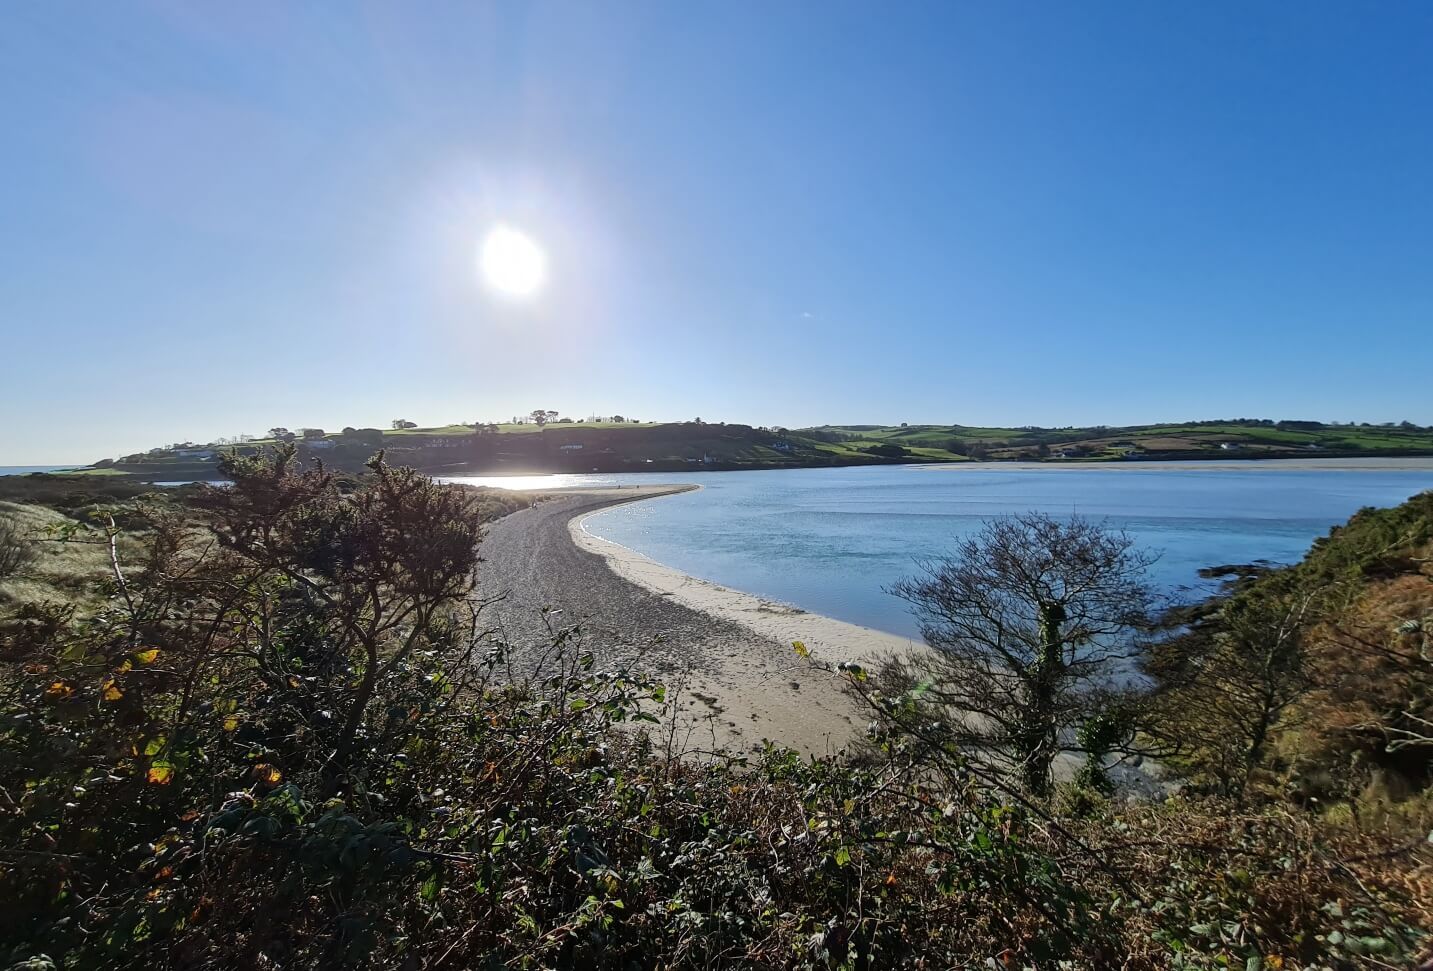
(69,571)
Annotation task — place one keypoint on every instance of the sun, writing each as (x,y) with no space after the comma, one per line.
(512,263)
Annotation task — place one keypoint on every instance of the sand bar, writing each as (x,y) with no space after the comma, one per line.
(827,638)
(731,652)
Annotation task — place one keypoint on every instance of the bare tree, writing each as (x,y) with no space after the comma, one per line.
(1031,619)
(16,550)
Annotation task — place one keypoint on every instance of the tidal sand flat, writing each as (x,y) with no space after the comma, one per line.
(730,653)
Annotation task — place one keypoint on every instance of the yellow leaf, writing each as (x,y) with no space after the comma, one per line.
(59,691)
(109,692)
(268,774)
(146,656)
(231,723)
(800,649)
(160,774)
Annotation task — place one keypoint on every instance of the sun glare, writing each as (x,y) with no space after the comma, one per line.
(512,263)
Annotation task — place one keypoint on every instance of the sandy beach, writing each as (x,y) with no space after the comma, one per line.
(829,639)
(730,652)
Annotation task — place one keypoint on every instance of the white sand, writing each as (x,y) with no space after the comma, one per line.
(828,639)
(761,690)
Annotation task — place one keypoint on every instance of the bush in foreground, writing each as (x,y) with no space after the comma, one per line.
(290,741)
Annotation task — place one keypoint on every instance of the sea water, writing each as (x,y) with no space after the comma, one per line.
(833,540)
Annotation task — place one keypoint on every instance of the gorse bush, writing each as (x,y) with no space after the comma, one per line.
(289,740)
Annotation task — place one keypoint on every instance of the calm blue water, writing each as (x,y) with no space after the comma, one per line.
(27,469)
(829,540)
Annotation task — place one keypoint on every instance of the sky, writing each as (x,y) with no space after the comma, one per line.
(218,218)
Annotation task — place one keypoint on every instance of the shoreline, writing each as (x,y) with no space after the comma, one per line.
(726,657)
(1213,463)
(827,638)
(1372,463)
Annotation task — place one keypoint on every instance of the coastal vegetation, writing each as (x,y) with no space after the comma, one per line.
(546,442)
(268,724)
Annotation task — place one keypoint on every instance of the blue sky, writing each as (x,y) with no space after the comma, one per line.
(218,218)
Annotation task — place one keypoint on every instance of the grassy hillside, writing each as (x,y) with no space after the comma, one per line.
(554,447)
(1231,439)
(601,446)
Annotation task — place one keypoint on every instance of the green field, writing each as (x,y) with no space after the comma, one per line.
(92,472)
(560,446)
(1189,440)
